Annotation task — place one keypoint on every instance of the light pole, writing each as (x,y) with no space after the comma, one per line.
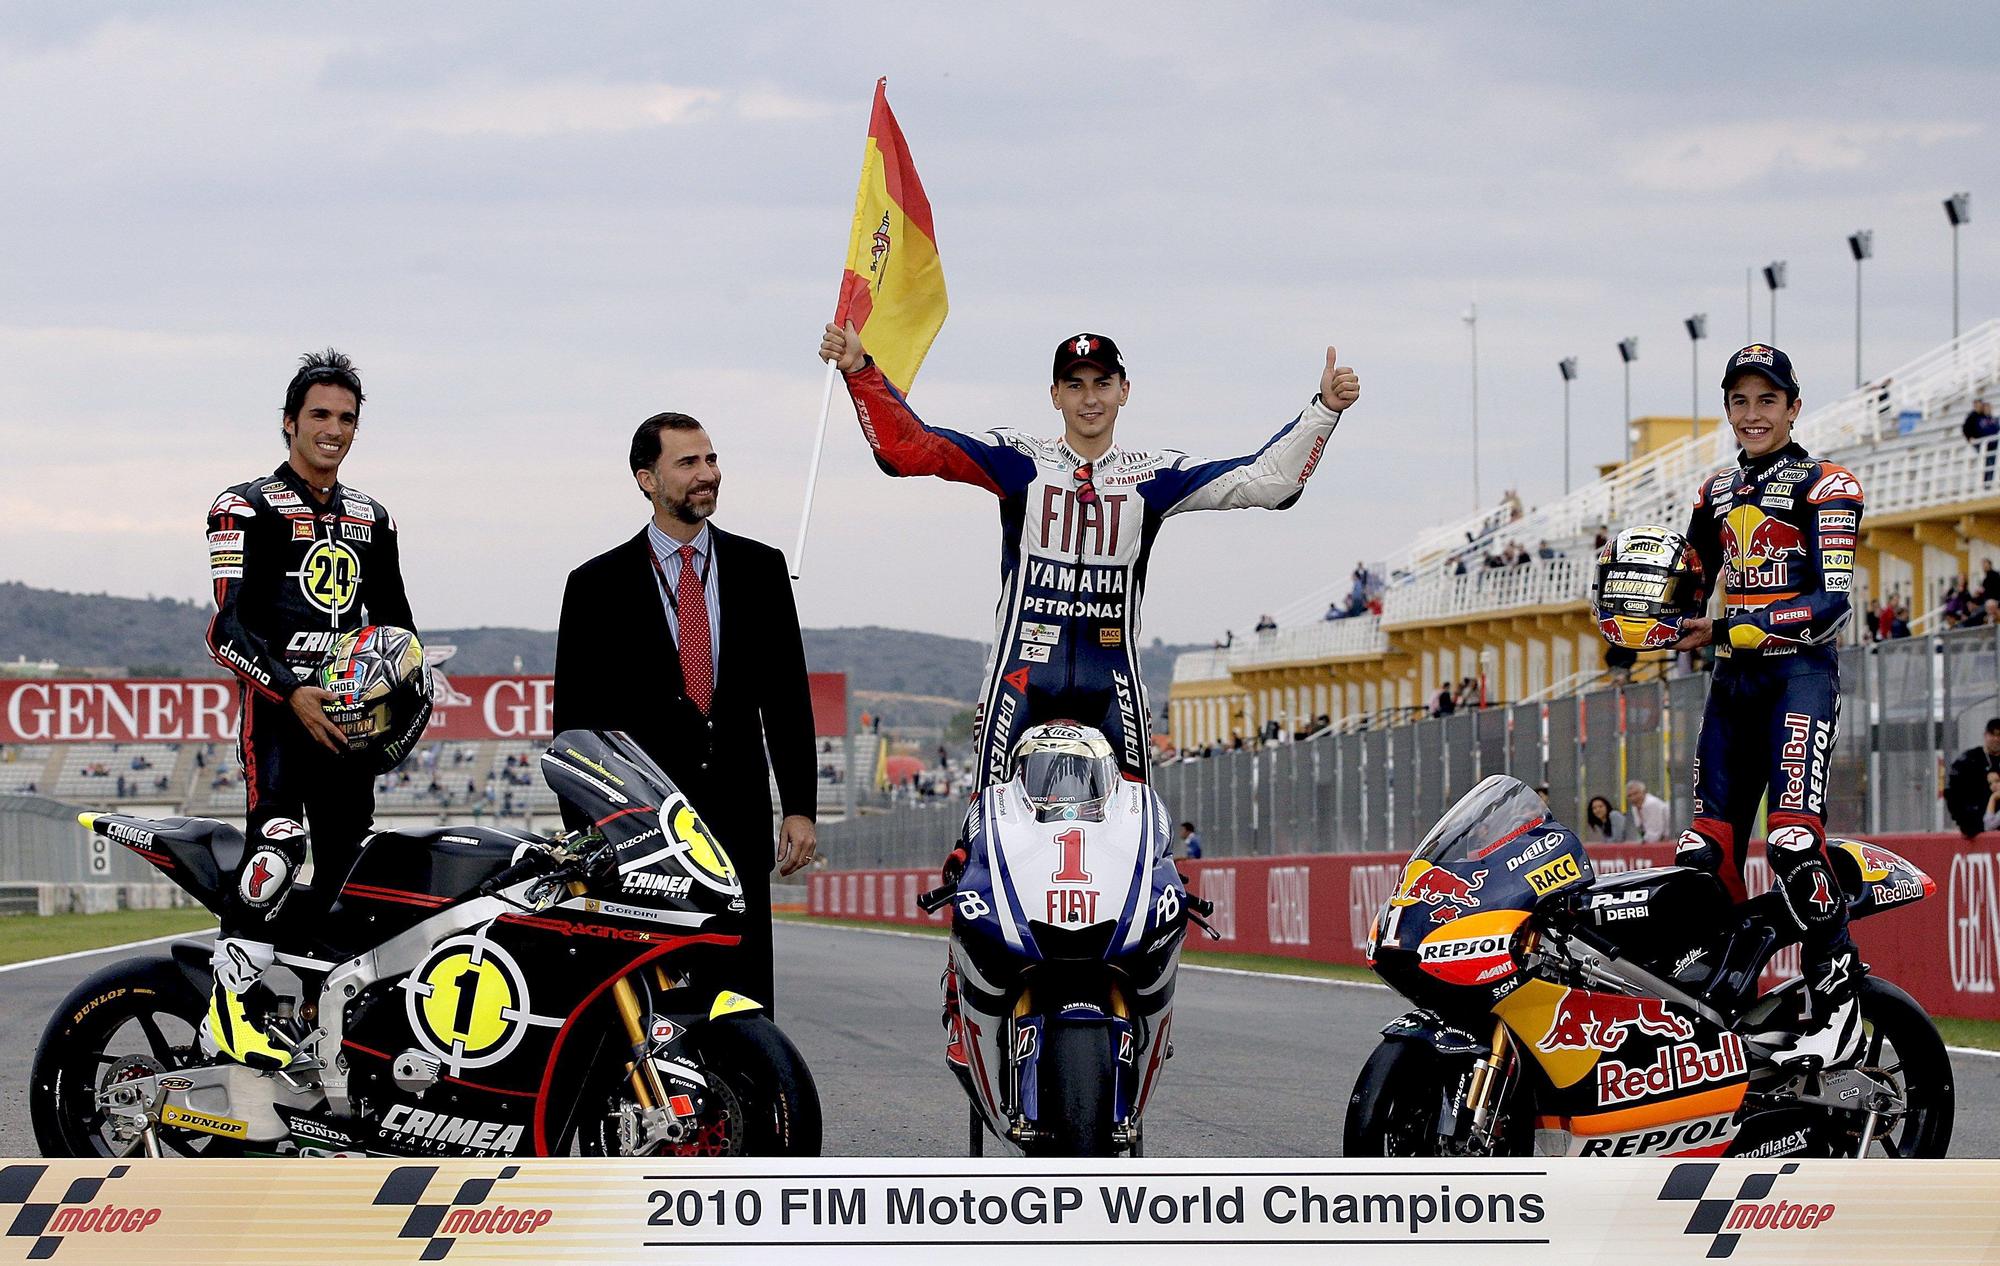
(1697,328)
(1957,209)
(1471,318)
(1774,277)
(1628,351)
(1862,244)
(1568,366)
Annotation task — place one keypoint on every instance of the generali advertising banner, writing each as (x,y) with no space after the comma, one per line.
(184,710)
(1945,950)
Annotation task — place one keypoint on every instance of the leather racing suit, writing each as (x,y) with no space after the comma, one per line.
(1075,537)
(1779,531)
(291,575)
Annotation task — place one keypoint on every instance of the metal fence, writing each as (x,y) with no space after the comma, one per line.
(1907,708)
(41,842)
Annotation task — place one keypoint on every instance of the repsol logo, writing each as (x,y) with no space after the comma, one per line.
(499,1220)
(1471,947)
(107,1217)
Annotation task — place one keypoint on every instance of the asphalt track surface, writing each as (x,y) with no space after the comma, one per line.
(1263,1064)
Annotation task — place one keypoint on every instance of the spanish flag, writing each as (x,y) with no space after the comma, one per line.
(893,286)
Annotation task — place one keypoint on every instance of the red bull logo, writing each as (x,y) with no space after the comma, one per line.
(1447,894)
(1751,538)
(1584,1020)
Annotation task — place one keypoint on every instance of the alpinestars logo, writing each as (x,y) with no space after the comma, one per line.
(467,1212)
(1748,1210)
(75,1213)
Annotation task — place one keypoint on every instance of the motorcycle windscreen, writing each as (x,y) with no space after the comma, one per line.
(1496,811)
(602,772)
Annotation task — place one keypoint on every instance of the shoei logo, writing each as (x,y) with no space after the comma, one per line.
(77,1211)
(1727,1219)
(467,1213)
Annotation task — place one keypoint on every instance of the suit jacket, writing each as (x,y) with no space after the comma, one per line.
(617,668)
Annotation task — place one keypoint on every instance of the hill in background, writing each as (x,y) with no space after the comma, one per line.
(907,678)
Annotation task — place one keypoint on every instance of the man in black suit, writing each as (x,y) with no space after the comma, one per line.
(686,637)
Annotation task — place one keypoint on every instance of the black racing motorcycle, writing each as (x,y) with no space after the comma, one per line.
(1564,1013)
(473,992)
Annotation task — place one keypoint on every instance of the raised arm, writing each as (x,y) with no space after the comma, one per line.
(1274,476)
(904,444)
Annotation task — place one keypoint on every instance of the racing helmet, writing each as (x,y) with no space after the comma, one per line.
(381,690)
(1067,771)
(1648,581)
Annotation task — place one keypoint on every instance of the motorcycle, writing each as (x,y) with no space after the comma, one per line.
(1066,937)
(472,992)
(1564,1013)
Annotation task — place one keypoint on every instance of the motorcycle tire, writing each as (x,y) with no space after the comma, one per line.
(1393,1110)
(132,1018)
(762,1100)
(1077,1068)
(1899,1032)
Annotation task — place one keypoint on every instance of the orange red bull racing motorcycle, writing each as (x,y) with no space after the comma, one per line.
(1564,1013)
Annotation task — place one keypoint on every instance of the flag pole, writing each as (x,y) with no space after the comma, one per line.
(812,472)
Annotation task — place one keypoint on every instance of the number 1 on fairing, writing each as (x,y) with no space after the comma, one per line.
(1071,871)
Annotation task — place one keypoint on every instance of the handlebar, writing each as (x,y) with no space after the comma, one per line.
(937,898)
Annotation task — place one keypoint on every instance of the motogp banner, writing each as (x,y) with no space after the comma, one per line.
(860,1210)
(184,710)
(1944,950)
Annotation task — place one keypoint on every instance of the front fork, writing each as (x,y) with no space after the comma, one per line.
(1484,1092)
(647,1088)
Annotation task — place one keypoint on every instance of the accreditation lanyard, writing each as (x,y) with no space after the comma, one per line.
(667,590)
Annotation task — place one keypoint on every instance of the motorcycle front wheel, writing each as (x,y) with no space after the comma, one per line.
(1077,1067)
(1395,1107)
(761,1100)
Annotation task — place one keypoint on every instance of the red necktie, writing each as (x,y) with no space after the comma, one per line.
(691,606)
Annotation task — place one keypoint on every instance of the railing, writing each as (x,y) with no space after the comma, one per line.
(1924,470)
(1660,486)
(1539,582)
(1328,639)
(1202,666)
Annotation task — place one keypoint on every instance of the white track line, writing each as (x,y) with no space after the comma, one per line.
(1226,971)
(108,949)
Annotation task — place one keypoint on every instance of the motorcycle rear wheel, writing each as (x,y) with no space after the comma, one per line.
(133,1018)
(1901,1042)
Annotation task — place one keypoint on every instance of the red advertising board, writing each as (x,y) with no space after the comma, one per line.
(203,710)
(1945,950)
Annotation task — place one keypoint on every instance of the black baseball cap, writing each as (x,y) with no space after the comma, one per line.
(1087,349)
(1761,358)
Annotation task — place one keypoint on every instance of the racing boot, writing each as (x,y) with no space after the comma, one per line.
(1824,1030)
(248,1019)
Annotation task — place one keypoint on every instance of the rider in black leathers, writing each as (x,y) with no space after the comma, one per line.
(296,557)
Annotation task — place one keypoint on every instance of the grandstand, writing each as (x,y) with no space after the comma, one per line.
(1523,630)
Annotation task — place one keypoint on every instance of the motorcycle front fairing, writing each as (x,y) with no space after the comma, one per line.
(1070,922)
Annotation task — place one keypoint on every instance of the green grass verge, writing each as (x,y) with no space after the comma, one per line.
(1980,1034)
(25,936)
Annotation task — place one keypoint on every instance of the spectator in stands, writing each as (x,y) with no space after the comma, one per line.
(1604,824)
(1444,705)
(1545,551)
(1190,842)
(1334,611)
(1265,624)
(1603,537)
(1648,810)
(1966,790)
(1981,430)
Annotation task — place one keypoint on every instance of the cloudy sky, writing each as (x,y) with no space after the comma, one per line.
(533,225)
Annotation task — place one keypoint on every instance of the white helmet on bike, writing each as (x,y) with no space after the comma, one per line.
(1068,771)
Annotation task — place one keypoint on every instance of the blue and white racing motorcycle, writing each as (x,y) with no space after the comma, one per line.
(1068,917)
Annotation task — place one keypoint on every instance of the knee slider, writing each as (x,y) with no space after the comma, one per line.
(271,864)
(1812,895)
